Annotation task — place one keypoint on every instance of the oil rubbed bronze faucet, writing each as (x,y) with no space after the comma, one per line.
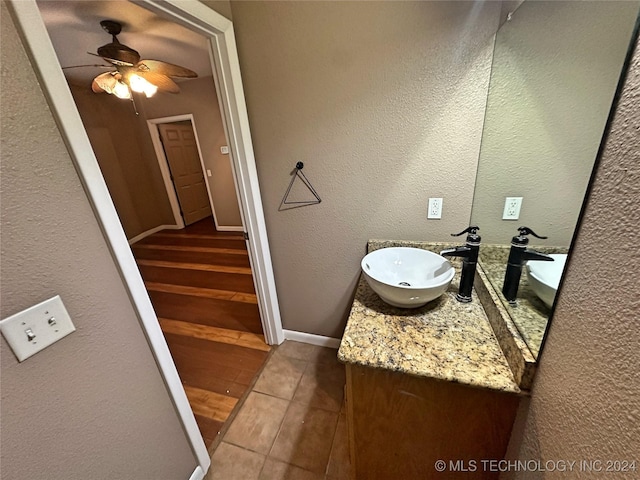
(518,255)
(469,253)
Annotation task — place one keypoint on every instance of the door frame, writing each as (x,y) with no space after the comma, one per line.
(154,130)
(224,57)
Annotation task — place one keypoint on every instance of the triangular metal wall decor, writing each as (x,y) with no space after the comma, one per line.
(287,204)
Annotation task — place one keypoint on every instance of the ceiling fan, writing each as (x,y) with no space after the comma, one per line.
(131,73)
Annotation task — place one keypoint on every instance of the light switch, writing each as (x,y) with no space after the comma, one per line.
(224,150)
(37,327)
(30,335)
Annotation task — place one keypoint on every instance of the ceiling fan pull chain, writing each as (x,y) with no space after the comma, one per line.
(134,105)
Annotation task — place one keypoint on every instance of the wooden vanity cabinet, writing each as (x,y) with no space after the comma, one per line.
(400,425)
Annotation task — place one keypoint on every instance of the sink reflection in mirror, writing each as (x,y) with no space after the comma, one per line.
(555,71)
(544,277)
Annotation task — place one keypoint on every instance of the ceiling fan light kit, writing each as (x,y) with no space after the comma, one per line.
(111,82)
(133,74)
(141,85)
(121,91)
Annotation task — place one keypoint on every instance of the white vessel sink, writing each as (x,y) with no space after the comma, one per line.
(407,277)
(544,277)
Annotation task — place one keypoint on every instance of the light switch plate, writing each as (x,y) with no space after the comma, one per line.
(224,150)
(37,327)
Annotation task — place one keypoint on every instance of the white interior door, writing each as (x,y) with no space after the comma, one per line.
(182,155)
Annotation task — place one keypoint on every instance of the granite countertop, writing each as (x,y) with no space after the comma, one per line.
(445,339)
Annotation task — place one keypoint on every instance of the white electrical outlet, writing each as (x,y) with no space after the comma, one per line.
(435,208)
(37,327)
(512,207)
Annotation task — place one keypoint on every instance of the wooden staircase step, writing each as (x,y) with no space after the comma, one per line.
(202,292)
(241,316)
(230,282)
(214,334)
(195,266)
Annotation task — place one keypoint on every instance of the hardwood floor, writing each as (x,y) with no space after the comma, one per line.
(201,287)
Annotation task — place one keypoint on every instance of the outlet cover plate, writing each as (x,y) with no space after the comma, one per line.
(512,207)
(46,322)
(435,208)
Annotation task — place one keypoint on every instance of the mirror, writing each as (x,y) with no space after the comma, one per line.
(555,70)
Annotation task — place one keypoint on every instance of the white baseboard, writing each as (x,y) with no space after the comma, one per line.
(198,474)
(139,237)
(311,339)
(230,228)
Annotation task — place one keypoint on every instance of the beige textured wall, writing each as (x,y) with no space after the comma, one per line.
(223,7)
(556,66)
(198,97)
(586,396)
(92,405)
(122,145)
(384,103)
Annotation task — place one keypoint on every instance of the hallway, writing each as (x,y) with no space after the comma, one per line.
(201,288)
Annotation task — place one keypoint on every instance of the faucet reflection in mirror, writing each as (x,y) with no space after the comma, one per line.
(518,255)
(555,69)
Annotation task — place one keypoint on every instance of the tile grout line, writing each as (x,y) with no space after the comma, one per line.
(335,428)
(234,413)
(289,402)
(308,364)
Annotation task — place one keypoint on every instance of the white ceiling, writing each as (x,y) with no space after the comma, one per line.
(74,28)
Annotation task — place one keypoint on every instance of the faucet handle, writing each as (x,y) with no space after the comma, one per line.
(473,239)
(472,230)
(527,231)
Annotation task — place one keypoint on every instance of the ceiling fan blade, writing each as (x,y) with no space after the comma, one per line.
(164,83)
(165,68)
(113,61)
(105,82)
(119,52)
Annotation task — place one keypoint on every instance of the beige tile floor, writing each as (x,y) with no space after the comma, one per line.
(292,425)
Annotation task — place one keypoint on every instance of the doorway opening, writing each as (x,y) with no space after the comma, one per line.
(195,170)
(199,280)
(223,54)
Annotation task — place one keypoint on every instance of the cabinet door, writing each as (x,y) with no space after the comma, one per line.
(399,426)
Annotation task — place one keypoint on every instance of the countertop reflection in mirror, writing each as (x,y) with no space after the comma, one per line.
(556,66)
